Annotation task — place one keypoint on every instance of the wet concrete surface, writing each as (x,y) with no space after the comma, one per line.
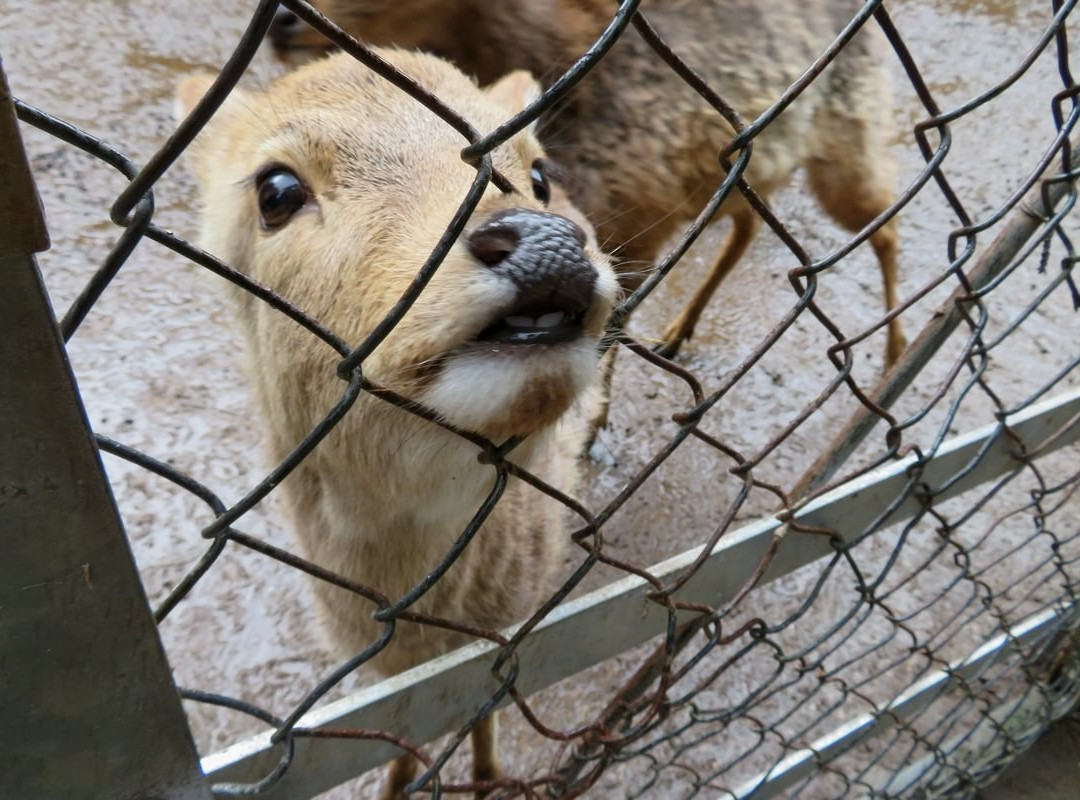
(160,366)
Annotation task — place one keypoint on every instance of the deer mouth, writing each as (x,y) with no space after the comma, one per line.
(535,325)
(542,255)
(545,325)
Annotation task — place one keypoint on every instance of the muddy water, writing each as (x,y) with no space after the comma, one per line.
(157,359)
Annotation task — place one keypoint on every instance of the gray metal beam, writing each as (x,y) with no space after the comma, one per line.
(88,705)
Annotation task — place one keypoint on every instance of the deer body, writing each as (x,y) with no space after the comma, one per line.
(331,188)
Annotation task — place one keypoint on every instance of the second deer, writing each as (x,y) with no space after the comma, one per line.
(640,145)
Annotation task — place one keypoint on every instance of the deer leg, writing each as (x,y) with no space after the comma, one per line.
(401,773)
(745,227)
(485,751)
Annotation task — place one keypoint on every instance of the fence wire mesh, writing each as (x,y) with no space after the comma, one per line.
(694,446)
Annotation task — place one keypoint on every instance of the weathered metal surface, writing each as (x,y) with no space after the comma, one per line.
(88,705)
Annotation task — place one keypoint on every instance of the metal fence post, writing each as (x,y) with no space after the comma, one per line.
(88,704)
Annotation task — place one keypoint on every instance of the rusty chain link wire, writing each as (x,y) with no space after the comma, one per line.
(811,671)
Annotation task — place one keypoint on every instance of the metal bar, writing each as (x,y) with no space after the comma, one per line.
(89,707)
(441,695)
(1036,208)
(805,762)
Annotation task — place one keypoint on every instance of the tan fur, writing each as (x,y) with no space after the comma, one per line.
(641,146)
(386,494)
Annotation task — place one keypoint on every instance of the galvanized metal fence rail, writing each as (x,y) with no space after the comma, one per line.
(987,662)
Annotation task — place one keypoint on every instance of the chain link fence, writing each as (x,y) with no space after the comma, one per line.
(900,625)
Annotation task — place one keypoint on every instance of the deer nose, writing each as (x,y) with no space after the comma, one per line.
(542,253)
(284,27)
(493,243)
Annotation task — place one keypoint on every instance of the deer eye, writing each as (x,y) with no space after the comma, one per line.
(281,194)
(540,185)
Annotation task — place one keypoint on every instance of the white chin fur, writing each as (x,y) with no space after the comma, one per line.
(478,388)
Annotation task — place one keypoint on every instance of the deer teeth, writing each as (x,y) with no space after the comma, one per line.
(551,319)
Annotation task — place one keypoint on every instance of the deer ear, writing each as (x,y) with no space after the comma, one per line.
(188,94)
(514,91)
(192,89)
